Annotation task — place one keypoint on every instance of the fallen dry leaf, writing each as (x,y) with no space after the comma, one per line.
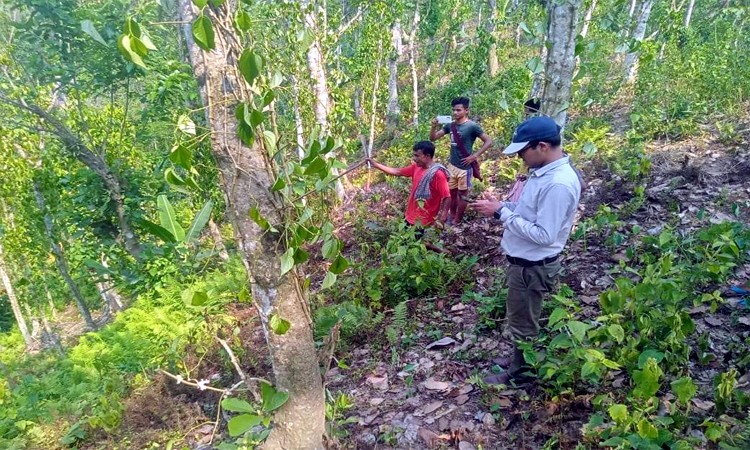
(429,437)
(714,321)
(434,385)
(744,320)
(705,405)
(503,402)
(444,342)
(463,445)
(378,382)
(432,407)
(461,399)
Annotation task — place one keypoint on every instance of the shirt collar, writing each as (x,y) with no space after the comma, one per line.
(551,166)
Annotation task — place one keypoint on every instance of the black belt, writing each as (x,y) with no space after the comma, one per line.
(526,263)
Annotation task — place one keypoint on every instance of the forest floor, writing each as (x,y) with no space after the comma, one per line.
(426,397)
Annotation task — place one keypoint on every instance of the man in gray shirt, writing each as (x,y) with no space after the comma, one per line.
(536,230)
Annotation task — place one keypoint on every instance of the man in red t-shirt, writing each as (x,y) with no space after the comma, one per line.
(429,198)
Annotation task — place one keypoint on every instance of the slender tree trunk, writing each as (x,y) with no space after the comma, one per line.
(689,13)
(14,305)
(393,111)
(218,240)
(587,18)
(494,64)
(631,60)
(413,66)
(247,175)
(560,65)
(62,264)
(51,337)
(298,125)
(374,101)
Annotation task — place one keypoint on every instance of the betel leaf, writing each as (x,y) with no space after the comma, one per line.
(278,325)
(316,166)
(237,405)
(186,125)
(199,221)
(260,220)
(241,424)
(618,412)
(339,265)
(124,45)
(250,65)
(242,20)
(200,3)
(685,389)
(272,399)
(331,248)
(172,178)
(194,298)
(578,329)
(329,280)
(535,65)
(182,156)
(88,27)
(256,117)
(157,230)
(300,256)
(168,218)
(287,261)
(617,332)
(278,185)
(203,32)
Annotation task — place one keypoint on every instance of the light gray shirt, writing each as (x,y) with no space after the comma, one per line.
(539,224)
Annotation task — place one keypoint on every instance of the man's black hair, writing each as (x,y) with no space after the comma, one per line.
(533,104)
(426,147)
(461,101)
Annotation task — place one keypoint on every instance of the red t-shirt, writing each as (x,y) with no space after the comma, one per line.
(438,191)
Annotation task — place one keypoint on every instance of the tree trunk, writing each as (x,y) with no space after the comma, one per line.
(374,101)
(298,125)
(689,13)
(494,64)
(62,264)
(14,305)
(587,18)
(560,65)
(247,175)
(218,240)
(413,66)
(631,60)
(537,85)
(393,111)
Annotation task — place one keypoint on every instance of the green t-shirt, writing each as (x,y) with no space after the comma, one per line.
(468,132)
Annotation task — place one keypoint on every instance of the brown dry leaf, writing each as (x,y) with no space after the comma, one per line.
(432,407)
(705,405)
(714,321)
(744,320)
(461,399)
(551,408)
(429,437)
(590,299)
(465,389)
(434,385)
(463,445)
(503,402)
(444,342)
(378,382)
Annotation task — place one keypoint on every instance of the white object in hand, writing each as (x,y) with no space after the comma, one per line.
(444,119)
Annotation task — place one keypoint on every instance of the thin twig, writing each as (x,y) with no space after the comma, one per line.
(350,169)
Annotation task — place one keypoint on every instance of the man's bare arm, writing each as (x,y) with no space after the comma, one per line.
(396,172)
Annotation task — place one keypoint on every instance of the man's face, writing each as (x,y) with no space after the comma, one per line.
(420,159)
(533,157)
(459,112)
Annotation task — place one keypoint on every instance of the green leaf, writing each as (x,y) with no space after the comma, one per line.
(203,33)
(235,404)
(200,3)
(88,27)
(216,3)
(647,380)
(617,332)
(157,230)
(331,248)
(172,178)
(241,424)
(339,265)
(131,27)
(194,298)
(270,140)
(578,329)
(649,353)
(242,20)
(272,399)
(168,218)
(124,45)
(685,389)
(287,261)
(186,125)
(316,166)
(589,368)
(260,220)
(278,325)
(329,280)
(557,315)
(146,39)
(250,65)
(268,97)
(182,156)
(535,65)
(646,430)
(199,221)
(618,412)
(300,256)
(256,117)
(278,185)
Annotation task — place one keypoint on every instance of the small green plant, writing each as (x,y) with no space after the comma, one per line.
(336,407)
(251,426)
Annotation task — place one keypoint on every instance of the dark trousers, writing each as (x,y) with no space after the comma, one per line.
(527,288)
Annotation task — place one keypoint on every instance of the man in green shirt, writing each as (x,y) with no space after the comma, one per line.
(462,155)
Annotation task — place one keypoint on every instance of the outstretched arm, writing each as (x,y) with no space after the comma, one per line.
(385,169)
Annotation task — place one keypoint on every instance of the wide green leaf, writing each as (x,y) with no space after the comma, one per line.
(617,332)
(171,177)
(235,404)
(200,3)
(272,399)
(618,412)
(203,33)
(168,218)
(329,280)
(287,261)
(250,65)
(88,27)
(339,265)
(199,221)
(578,329)
(316,166)
(241,424)
(279,325)
(194,298)
(124,45)
(557,315)
(260,220)
(182,156)
(685,389)
(157,230)
(186,125)
(242,20)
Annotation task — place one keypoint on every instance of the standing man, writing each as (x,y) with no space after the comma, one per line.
(463,133)
(536,230)
(429,196)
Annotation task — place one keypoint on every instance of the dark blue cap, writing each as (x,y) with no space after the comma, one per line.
(533,129)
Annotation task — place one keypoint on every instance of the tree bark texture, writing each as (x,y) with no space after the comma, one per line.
(62,264)
(14,305)
(689,13)
(494,64)
(587,18)
(247,175)
(638,33)
(413,66)
(560,64)
(393,111)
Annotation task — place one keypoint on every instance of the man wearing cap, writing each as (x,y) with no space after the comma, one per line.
(536,230)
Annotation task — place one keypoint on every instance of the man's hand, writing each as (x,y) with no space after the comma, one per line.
(434,123)
(485,207)
(469,159)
